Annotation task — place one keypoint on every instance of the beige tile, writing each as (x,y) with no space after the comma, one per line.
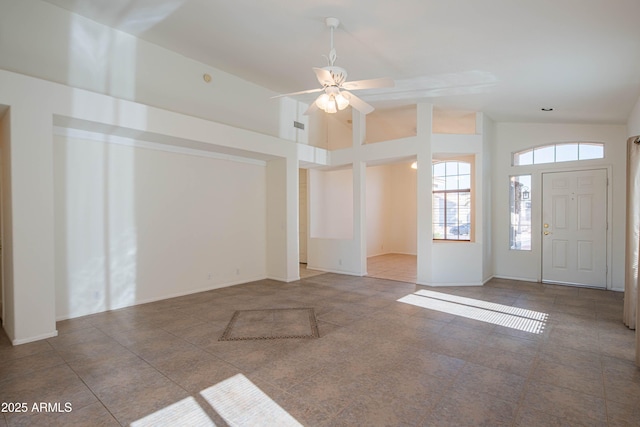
(585,379)
(528,417)
(195,370)
(622,390)
(7,351)
(464,408)
(504,360)
(563,403)
(378,361)
(54,384)
(493,382)
(332,392)
(11,368)
(140,396)
(94,414)
(624,415)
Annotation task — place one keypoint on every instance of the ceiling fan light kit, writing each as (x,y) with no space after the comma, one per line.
(335,96)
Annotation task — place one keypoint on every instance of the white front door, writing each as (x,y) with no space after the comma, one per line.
(574,228)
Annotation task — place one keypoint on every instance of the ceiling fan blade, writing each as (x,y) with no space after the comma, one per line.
(302,92)
(357,103)
(369,84)
(324,77)
(312,108)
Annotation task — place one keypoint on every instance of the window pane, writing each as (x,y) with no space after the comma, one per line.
(520,204)
(561,152)
(451,209)
(465,182)
(523,158)
(591,151)
(438,216)
(438,183)
(544,154)
(566,152)
(452,168)
(452,183)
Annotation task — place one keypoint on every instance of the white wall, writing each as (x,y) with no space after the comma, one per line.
(135,225)
(633,124)
(403,224)
(35,105)
(448,257)
(8,302)
(391,209)
(48,42)
(378,210)
(488,142)
(331,204)
(512,137)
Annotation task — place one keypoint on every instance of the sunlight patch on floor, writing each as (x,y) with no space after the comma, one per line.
(186,412)
(237,400)
(242,403)
(484,311)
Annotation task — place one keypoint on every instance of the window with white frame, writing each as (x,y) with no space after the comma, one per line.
(559,152)
(452,200)
(520,218)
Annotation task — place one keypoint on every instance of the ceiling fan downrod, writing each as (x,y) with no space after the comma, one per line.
(332,23)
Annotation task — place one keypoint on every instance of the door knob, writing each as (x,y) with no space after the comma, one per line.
(546,232)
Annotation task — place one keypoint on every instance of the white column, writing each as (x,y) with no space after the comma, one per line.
(359,190)
(31,311)
(282,219)
(424,189)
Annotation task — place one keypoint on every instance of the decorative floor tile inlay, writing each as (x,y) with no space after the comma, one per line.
(274,323)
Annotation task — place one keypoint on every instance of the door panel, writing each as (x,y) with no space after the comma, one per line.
(574,240)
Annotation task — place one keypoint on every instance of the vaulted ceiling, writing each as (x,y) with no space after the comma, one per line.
(507,58)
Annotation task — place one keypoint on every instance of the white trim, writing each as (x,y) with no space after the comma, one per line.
(169,296)
(518,279)
(328,270)
(448,284)
(36,338)
(484,282)
(282,279)
(136,143)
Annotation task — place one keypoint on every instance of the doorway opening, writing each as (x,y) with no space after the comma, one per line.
(391,214)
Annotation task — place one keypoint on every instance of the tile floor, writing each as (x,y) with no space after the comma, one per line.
(378,361)
(400,267)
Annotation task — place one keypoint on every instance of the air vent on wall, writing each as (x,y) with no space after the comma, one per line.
(298,125)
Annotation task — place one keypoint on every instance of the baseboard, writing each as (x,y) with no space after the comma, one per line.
(392,253)
(486,280)
(449,284)
(519,279)
(169,296)
(282,279)
(36,338)
(327,270)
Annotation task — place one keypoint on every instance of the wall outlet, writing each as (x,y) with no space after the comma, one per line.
(340,261)
(209,276)
(237,271)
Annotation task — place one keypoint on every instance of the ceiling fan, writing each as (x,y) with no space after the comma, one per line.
(335,89)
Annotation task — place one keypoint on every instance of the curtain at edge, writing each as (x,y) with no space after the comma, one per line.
(631,315)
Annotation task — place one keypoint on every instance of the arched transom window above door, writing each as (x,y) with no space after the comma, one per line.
(559,152)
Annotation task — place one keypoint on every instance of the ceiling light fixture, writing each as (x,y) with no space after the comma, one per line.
(332,100)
